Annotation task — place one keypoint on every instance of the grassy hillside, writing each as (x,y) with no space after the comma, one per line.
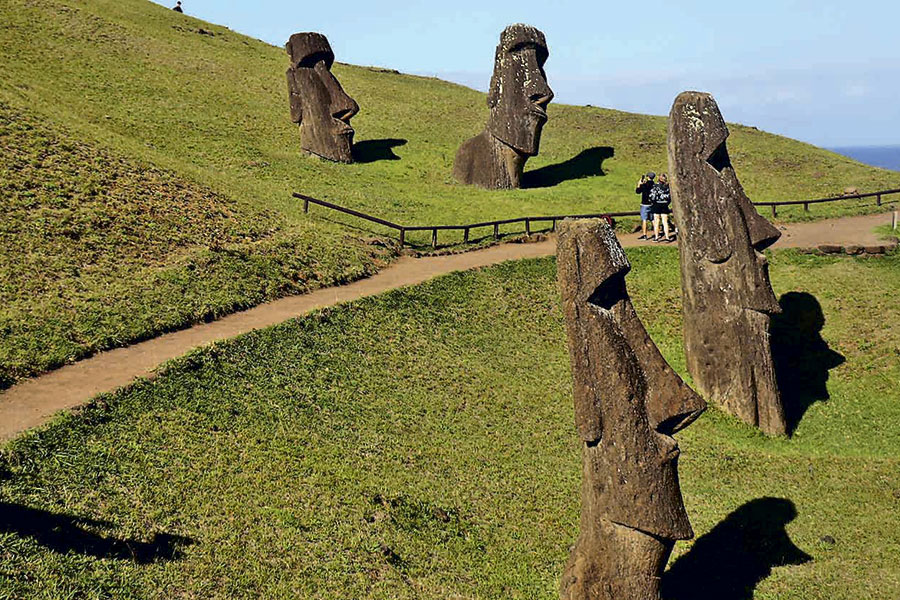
(420,445)
(99,250)
(142,78)
(147,169)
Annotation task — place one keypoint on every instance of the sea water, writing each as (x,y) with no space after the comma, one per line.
(886,157)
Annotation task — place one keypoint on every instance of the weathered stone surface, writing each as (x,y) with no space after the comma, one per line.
(318,102)
(724,275)
(853,249)
(831,249)
(874,249)
(850,191)
(518,99)
(628,403)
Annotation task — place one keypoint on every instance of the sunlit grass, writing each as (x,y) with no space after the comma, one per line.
(420,444)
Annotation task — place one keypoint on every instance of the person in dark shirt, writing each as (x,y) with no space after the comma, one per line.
(177,7)
(661,199)
(644,187)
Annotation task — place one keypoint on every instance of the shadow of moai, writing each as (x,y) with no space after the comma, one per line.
(369,151)
(737,554)
(587,163)
(802,358)
(64,533)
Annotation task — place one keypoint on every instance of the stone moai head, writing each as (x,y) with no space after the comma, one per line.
(716,214)
(318,102)
(628,404)
(519,92)
(728,299)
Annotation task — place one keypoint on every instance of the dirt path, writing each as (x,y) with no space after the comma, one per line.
(33,402)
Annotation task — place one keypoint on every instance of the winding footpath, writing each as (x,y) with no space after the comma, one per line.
(33,402)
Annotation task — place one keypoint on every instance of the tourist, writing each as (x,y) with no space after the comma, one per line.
(177,7)
(644,187)
(661,199)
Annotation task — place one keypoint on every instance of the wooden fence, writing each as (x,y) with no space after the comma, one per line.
(528,221)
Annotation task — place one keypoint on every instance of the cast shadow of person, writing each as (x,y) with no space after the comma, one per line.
(736,555)
(801,357)
(369,151)
(587,163)
(64,533)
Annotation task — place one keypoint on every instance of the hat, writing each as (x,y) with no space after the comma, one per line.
(651,175)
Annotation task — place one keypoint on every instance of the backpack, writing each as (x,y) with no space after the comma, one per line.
(660,195)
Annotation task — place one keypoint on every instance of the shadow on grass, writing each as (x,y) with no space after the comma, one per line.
(728,562)
(369,151)
(586,163)
(64,533)
(802,358)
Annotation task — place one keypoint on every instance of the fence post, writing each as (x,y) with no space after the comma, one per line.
(434,238)
(466,235)
(894,220)
(774,211)
(305,205)
(552,225)
(878,199)
(806,206)
(496,231)
(528,227)
(402,237)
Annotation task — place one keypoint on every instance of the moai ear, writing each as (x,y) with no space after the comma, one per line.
(293,94)
(715,242)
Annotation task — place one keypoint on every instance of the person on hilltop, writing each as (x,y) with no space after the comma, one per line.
(644,187)
(661,200)
(177,7)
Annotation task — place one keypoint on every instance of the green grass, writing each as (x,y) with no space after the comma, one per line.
(886,232)
(162,116)
(100,251)
(420,444)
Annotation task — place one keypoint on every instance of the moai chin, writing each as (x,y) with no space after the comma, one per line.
(628,404)
(517,99)
(728,299)
(318,102)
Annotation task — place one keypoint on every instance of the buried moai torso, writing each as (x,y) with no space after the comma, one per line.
(628,403)
(318,102)
(728,299)
(518,99)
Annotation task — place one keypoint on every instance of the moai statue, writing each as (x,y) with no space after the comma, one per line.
(628,403)
(318,102)
(518,100)
(728,299)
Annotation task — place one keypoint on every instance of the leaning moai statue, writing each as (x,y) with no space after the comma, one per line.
(628,404)
(518,100)
(318,102)
(728,299)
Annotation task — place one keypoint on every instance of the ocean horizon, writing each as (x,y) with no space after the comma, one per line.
(886,157)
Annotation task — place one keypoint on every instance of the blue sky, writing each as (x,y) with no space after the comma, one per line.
(825,72)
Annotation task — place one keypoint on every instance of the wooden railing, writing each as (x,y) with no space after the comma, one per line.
(528,221)
(466,229)
(806,203)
